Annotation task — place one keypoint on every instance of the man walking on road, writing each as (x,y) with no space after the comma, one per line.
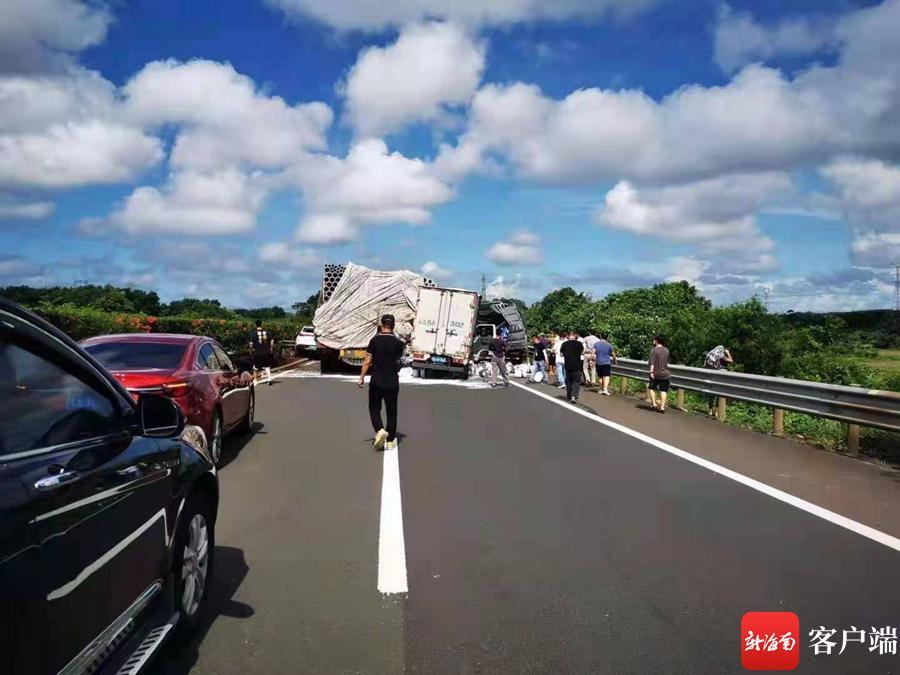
(560,360)
(572,349)
(261,348)
(659,373)
(498,361)
(606,357)
(383,357)
(540,360)
(590,361)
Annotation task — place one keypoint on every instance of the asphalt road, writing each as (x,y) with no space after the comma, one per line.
(536,540)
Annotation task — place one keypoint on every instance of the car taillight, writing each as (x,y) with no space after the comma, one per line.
(420,356)
(176,389)
(458,362)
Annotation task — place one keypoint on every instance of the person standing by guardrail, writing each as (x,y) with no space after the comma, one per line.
(659,373)
(606,357)
(717,358)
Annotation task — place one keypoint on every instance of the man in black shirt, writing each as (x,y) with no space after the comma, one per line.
(572,349)
(540,360)
(261,347)
(383,358)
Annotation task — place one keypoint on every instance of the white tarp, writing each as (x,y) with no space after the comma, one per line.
(351,316)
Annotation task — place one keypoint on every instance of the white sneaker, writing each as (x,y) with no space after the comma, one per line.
(605,392)
(391,445)
(380,438)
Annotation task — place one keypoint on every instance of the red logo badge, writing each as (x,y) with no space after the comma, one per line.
(770,641)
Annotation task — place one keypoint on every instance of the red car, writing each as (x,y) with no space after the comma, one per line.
(194,371)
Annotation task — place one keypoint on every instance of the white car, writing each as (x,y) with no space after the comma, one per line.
(305,341)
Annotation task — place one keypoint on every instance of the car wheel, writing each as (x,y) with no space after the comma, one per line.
(215,440)
(247,425)
(193,562)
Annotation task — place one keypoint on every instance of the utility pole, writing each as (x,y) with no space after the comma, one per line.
(483,286)
(766,297)
(897,287)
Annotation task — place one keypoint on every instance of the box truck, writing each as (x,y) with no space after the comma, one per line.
(443,331)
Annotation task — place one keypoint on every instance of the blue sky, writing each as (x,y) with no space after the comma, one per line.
(229,149)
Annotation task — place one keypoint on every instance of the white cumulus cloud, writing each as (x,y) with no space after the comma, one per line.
(10,209)
(718,216)
(375,16)
(223,118)
(869,198)
(191,203)
(740,39)
(522,248)
(429,67)
(370,185)
(437,272)
(67,129)
(40,35)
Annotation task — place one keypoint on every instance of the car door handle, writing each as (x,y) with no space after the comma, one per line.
(130,471)
(56,480)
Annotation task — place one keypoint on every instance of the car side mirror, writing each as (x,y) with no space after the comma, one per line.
(159,417)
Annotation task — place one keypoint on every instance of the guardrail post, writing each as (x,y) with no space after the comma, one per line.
(679,399)
(778,421)
(853,439)
(720,409)
(623,385)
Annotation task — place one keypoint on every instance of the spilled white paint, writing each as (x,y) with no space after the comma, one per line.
(406,379)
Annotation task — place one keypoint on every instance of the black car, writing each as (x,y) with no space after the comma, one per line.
(107,511)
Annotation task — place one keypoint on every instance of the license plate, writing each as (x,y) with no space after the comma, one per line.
(439,359)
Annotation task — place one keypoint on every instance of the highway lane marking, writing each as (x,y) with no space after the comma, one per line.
(809,507)
(391,546)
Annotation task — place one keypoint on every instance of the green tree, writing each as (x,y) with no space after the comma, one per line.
(561,310)
(306,308)
(200,308)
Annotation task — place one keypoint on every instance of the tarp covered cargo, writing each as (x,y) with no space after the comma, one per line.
(350,317)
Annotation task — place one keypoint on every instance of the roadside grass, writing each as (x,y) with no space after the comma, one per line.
(887,360)
(827,434)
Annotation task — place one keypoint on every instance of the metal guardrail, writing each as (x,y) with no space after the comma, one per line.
(853,405)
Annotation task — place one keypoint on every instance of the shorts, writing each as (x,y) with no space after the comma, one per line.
(551,359)
(262,360)
(604,369)
(659,385)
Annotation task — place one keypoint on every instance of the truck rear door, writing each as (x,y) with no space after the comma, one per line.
(428,315)
(460,316)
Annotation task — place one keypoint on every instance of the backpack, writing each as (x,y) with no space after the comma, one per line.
(715,358)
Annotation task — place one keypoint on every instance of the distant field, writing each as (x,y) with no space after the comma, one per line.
(888,359)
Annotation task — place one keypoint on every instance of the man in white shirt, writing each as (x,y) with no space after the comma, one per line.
(590,361)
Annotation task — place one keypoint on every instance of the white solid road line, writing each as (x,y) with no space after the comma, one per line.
(809,507)
(391,547)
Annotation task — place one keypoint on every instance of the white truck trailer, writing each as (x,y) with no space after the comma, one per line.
(443,331)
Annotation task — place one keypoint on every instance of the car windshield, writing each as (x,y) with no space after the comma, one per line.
(137,355)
